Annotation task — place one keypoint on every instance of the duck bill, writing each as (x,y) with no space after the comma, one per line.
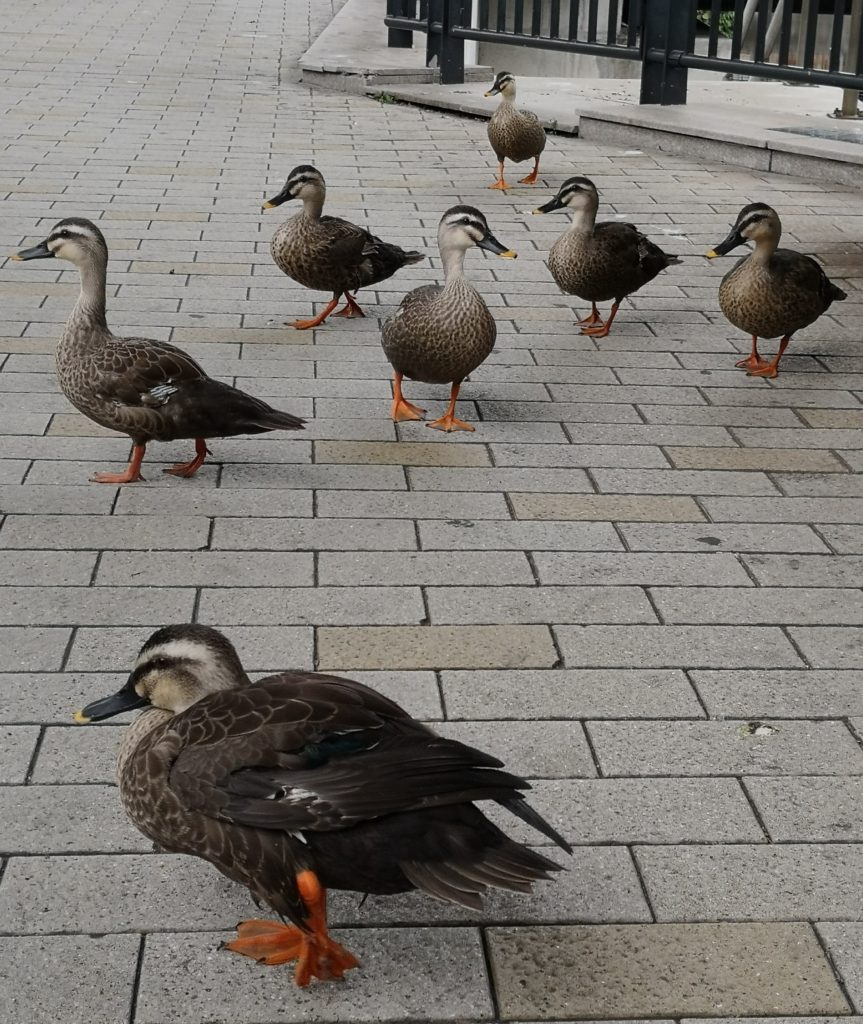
(493,91)
(283,197)
(491,244)
(731,242)
(550,206)
(118,703)
(38,252)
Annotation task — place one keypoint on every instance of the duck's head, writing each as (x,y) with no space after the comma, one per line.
(757,223)
(503,83)
(75,239)
(464,226)
(304,182)
(575,194)
(176,667)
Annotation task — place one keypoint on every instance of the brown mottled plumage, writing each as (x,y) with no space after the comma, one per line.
(514,134)
(302,776)
(147,389)
(328,253)
(598,262)
(771,292)
(440,334)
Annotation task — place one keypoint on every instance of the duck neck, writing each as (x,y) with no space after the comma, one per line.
(313,207)
(90,308)
(453,267)
(764,249)
(582,220)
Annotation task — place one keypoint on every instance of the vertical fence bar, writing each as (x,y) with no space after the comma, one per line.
(633,25)
(452,47)
(737,30)
(518,25)
(611,34)
(836,34)
(573,19)
(501,15)
(668,26)
(591,20)
(536,18)
(713,35)
(761,29)
(811,34)
(785,33)
(399,37)
(853,58)
(554,20)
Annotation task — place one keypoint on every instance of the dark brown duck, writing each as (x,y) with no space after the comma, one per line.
(303,782)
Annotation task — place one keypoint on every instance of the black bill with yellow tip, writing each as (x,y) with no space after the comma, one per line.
(283,197)
(731,242)
(493,91)
(491,244)
(126,699)
(553,204)
(37,252)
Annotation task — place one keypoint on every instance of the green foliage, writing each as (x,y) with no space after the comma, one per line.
(726,21)
(385,97)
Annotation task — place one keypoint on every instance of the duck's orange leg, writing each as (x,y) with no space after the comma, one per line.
(500,183)
(191,468)
(753,361)
(317,955)
(131,474)
(602,329)
(531,178)
(351,307)
(316,321)
(403,409)
(592,320)
(771,369)
(448,421)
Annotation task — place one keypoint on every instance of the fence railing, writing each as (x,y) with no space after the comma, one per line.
(814,41)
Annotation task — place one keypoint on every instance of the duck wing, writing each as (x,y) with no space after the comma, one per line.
(633,253)
(806,275)
(363,257)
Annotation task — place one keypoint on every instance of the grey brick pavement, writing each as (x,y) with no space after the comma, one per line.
(639,581)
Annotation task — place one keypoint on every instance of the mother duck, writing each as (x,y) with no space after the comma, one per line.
(303,782)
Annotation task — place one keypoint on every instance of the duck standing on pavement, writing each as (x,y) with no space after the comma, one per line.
(147,389)
(771,292)
(514,134)
(327,253)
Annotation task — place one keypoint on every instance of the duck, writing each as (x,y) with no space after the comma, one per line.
(597,262)
(440,334)
(303,782)
(771,292)
(514,134)
(328,253)
(148,389)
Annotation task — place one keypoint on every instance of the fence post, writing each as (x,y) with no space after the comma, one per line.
(444,49)
(667,27)
(399,37)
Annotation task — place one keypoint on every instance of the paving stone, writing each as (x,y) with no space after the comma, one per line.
(97,532)
(843,943)
(184,980)
(45,568)
(63,983)
(75,606)
(609,507)
(32,649)
(847,485)
(808,571)
(264,649)
(35,499)
(681,481)
(830,646)
(815,438)
(393,647)
(220,501)
(541,749)
(572,693)
(844,539)
(315,535)
(390,478)
(781,694)
(805,460)
(697,537)
(785,510)
(514,479)
(640,434)
(74,754)
(759,605)
(622,568)
(401,453)
(38,817)
(360,568)
(207,568)
(466,534)
(662,970)
(410,505)
(12,471)
(16,752)
(718,883)
(578,455)
(725,748)
(332,606)
(810,809)
(538,604)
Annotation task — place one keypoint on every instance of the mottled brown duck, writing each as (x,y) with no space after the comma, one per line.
(147,389)
(514,134)
(772,292)
(304,782)
(440,334)
(598,262)
(327,253)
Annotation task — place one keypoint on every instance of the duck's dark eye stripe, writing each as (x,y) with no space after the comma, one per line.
(752,220)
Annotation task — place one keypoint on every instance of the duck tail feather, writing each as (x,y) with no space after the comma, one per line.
(836,294)
(521,809)
(275,419)
(413,256)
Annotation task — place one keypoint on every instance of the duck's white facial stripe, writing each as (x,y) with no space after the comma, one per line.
(458,221)
(176,650)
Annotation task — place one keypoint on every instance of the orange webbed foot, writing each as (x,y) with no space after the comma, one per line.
(501,185)
(764,370)
(448,422)
(272,943)
(531,179)
(126,477)
(599,330)
(751,363)
(350,309)
(187,469)
(404,410)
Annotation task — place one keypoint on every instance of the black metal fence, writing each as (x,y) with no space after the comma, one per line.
(814,41)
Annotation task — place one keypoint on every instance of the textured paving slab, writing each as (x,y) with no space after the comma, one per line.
(743,970)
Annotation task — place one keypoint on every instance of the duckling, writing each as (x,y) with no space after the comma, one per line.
(147,389)
(602,261)
(303,782)
(514,134)
(441,334)
(328,253)
(771,292)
